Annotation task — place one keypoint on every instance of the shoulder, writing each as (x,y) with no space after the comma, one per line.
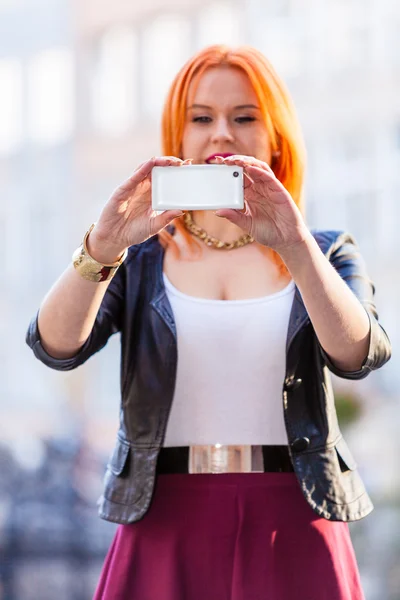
(342,250)
(332,240)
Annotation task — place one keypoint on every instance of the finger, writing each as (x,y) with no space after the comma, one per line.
(247,161)
(139,175)
(162,161)
(256,173)
(261,165)
(161,221)
(237,217)
(247,181)
(239,159)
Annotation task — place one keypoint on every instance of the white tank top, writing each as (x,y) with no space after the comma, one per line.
(231,368)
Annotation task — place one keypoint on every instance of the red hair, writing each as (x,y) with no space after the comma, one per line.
(277,110)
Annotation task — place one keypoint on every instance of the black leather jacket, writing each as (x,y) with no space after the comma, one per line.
(136,305)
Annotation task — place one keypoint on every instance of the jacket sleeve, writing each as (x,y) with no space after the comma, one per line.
(108,321)
(345,256)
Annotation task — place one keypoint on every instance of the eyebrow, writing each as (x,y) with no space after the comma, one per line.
(240,107)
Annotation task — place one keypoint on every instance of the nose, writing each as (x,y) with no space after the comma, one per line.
(222,131)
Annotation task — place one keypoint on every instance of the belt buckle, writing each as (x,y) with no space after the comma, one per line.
(219,458)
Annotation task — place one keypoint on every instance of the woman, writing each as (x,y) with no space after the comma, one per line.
(230,478)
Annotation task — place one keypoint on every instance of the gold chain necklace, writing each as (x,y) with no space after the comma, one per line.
(209,240)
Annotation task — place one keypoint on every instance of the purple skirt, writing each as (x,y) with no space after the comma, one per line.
(233,536)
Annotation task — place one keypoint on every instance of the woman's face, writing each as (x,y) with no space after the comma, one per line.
(224,117)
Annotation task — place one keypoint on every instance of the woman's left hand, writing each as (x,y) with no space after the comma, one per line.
(270,215)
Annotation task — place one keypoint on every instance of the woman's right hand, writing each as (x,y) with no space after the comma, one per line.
(128,218)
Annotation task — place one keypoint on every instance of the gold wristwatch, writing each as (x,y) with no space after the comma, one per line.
(91,269)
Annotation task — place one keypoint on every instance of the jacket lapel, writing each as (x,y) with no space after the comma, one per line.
(160,302)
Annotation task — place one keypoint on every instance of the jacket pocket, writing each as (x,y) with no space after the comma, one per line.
(120,481)
(345,457)
(336,475)
(119,458)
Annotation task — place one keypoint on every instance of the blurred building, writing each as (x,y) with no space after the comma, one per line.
(82,88)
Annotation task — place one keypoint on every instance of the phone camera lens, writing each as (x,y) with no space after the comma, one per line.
(235,174)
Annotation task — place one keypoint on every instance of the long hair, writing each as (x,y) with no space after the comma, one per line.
(276,107)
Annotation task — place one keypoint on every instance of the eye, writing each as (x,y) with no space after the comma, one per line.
(247,119)
(201,119)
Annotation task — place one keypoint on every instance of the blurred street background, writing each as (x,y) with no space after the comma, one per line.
(82,84)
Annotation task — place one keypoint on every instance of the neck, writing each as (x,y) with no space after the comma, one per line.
(218,227)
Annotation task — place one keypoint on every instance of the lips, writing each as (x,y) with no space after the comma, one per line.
(223,154)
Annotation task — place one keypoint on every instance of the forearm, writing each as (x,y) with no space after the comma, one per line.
(339,320)
(69,310)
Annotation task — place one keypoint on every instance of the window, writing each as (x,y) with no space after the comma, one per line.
(166,47)
(11,129)
(114,99)
(51,96)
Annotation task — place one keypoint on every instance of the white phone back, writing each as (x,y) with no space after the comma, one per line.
(197,187)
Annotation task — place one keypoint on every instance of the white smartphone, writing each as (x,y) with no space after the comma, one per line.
(197,187)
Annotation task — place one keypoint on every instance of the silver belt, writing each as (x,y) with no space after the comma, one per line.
(219,458)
